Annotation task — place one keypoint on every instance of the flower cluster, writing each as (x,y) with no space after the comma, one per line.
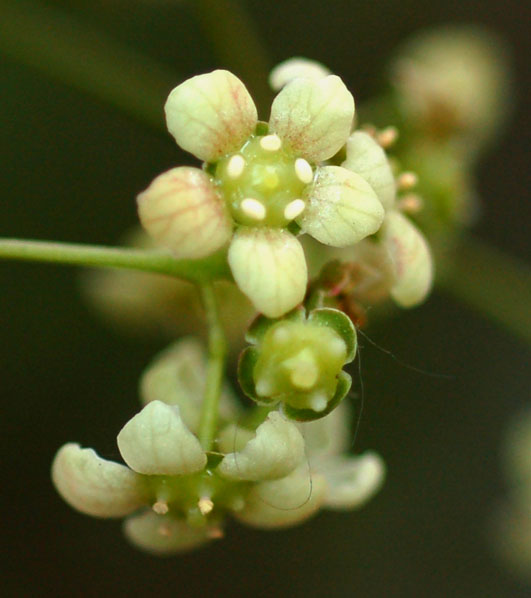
(175,495)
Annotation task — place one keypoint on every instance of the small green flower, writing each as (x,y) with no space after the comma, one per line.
(298,361)
(261,183)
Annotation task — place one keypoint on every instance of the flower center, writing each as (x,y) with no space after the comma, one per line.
(263,183)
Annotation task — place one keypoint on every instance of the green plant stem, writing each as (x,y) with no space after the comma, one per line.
(51,41)
(217,349)
(490,281)
(210,268)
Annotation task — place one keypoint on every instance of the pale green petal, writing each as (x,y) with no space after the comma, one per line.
(367,158)
(93,485)
(176,376)
(342,208)
(293,68)
(329,435)
(411,257)
(268,265)
(284,502)
(313,117)
(157,442)
(274,452)
(211,115)
(182,211)
(163,534)
(352,481)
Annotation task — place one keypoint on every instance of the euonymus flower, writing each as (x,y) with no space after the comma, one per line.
(298,361)
(175,496)
(399,246)
(261,183)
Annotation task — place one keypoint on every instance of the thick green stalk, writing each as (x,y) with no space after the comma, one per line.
(210,268)
(217,349)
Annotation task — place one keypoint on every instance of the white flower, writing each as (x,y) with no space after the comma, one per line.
(293,68)
(260,179)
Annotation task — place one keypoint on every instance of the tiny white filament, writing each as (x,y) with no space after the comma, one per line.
(303,170)
(253,208)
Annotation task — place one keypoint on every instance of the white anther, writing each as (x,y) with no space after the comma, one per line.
(407,180)
(271,143)
(337,346)
(160,507)
(303,170)
(263,388)
(303,369)
(318,402)
(235,166)
(205,505)
(410,203)
(293,209)
(253,208)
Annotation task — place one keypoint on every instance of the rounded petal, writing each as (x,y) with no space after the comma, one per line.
(329,435)
(182,211)
(163,534)
(367,158)
(211,115)
(352,481)
(314,117)
(274,452)
(268,265)
(284,502)
(293,68)
(411,257)
(94,485)
(342,208)
(157,442)
(176,376)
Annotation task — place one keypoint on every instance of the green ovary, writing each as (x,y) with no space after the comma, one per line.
(267,176)
(299,364)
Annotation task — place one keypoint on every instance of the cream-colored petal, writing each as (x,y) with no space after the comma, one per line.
(293,68)
(411,257)
(157,442)
(94,485)
(176,376)
(182,211)
(352,481)
(313,117)
(274,452)
(284,502)
(268,265)
(342,208)
(368,159)
(211,115)
(163,534)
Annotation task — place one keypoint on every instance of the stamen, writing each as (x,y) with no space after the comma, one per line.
(410,203)
(164,530)
(205,505)
(215,533)
(337,346)
(294,209)
(318,402)
(263,387)
(271,143)
(303,369)
(407,180)
(303,170)
(160,507)
(387,137)
(253,208)
(235,166)
(281,335)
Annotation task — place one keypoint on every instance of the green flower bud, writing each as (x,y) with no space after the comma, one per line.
(298,361)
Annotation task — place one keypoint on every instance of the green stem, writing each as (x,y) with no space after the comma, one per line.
(210,268)
(492,282)
(52,42)
(217,349)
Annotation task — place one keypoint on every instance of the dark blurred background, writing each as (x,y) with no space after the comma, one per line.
(71,167)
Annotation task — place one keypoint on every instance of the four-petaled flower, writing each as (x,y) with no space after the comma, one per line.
(261,183)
